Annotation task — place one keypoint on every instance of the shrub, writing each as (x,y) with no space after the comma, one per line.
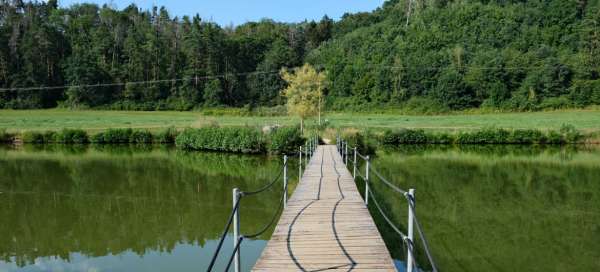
(97,138)
(440,138)
(285,140)
(404,136)
(140,137)
(245,140)
(526,136)
(484,136)
(570,134)
(166,136)
(33,137)
(554,137)
(69,136)
(117,136)
(5,137)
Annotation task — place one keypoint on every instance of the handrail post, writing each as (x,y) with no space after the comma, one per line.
(236,228)
(285,181)
(410,236)
(346,152)
(300,164)
(354,164)
(367,180)
(306,157)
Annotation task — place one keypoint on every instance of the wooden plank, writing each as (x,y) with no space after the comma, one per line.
(326,225)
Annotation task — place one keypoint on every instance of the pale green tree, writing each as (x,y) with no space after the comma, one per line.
(304,92)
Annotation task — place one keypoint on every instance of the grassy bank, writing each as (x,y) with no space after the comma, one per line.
(94,121)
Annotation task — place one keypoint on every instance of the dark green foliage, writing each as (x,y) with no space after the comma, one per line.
(453,55)
(363,141)
(404,136)
(113,136)
(285,140)
(5,137)
(567,134)
(141,137)
(514,55)
(71,136)
(33,137)
(65,136)
(166,136)
(244,140)
(571,134)
(526,136)
(485,136)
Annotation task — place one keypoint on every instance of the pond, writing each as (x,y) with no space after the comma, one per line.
(124,208)
(497,208)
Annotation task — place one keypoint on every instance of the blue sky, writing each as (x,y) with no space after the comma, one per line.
(237,12)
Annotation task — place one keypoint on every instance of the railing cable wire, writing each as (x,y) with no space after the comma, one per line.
(220,245)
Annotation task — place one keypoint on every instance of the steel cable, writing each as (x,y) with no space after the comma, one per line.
(264,188)
(235,249)
(404,238)
(271,222)
(389,184)
(220,245)
(421,233)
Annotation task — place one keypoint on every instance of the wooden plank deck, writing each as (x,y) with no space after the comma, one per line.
(326,225)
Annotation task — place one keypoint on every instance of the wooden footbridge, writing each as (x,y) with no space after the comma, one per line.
(325,225)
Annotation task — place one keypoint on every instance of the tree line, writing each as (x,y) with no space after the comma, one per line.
(419,55)
(143,59)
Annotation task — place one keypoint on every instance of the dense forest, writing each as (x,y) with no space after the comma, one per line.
(419,55)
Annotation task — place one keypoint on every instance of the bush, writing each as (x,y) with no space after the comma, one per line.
(33,137)
(404,136)
(245,140)
(166,136)
(361,141)
(570,134)
(5,137)
(68,136)
(285,140)
(484,136)
(97,138)
(117,136)
(526,136)
(141,137)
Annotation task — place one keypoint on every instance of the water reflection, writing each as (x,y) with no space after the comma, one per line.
(498,208)
(124,208)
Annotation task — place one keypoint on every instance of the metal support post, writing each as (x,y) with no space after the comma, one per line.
(409,254)
(285,180)
(300,165)
(367,180)
(236,229)
(346,152)
(354,164)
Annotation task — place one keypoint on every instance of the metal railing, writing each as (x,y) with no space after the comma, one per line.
(234,217)
(413,221)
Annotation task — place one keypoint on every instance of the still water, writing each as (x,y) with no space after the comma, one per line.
(498,208)
(126,208)
(158,209)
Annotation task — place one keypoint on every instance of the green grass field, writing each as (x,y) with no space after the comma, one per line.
(39,120)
